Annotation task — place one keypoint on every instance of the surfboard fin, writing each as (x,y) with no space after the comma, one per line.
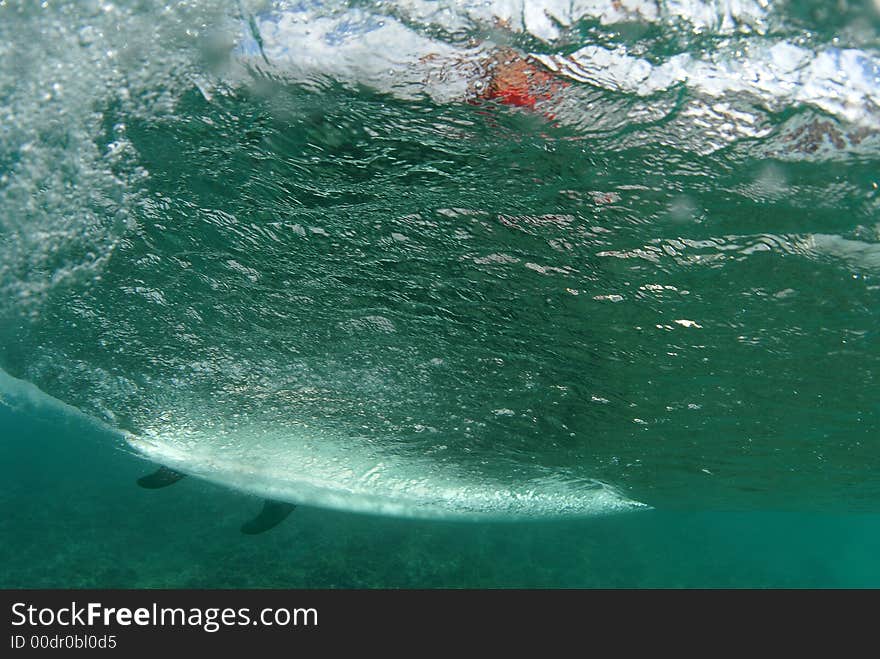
(162,477)
(272,514)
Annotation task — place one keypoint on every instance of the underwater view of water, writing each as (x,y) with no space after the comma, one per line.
(565,294)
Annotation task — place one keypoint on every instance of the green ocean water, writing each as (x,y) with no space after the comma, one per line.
(74,519)
(376,302)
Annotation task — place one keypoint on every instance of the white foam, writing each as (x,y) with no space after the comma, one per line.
(396,51)
(357,48)
(27,399)
(315,468)
(68,173)
(305,42)
(845,82)
(547,20)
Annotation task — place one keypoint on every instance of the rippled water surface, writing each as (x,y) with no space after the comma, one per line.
(451,260)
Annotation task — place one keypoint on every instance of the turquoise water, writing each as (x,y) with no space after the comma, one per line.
(619,333)
(73,518)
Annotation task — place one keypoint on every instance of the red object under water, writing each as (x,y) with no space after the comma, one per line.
(517,96)
(519,83)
